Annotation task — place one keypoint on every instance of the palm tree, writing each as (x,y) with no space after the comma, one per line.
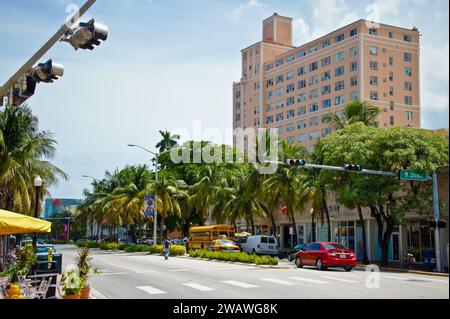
(356,111)
(24,154)
(168,141)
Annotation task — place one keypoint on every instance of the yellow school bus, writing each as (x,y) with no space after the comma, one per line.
(200,237)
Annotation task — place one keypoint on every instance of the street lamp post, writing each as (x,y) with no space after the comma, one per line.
(155,217)
(313,225)
(37,184)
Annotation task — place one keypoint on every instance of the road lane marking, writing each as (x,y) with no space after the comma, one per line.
(278,281)
(198,287)
(151,290)
(339,279)
(239,284)
(124,267)
(314,281)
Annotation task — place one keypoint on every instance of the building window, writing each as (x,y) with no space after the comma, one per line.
(290,127)
(290,140)
(269,120)
(338,86)
(339,56)
(407,57)
(280,129)
(408,100)
(269,83)
(290,88)
(312,49)
(269,107)
(280,78)
(290,101)
(280,104)
(326,76)
(280,91)
(408,71)
(354,81)
(326,43)
(326,103)
(374,80)
(238,94)
(339,100)
(374,65)
(339,71)
(314,135)
(373,31)
(290,114)
(353,66)
(269,66)
(353,32)
(290,58)
(301,124)
(301,71)
(313,66)
(353,96)
(314,121)
(373,51)
(392,120)
(314,107)
(302,138)
(374,95)
(391,105)
(313,80)
(326,89)
(409,116)
(391,91)
(407,38)
(313,93)
(408,86)
(326,131)
(339,38)
(301,97)
(279,62)
(238,117)
(301,84)
(326,118)
(269,95)
(391,76)
(390,35)
(301,110)
(279,117)
(290,75)
(237,106)
(354,51)
(326,61)
(301,54)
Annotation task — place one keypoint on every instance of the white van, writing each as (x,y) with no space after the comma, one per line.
(264,245)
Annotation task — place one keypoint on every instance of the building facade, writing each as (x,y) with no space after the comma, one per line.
(295,89)
(54,206)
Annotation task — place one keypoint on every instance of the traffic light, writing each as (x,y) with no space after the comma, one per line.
(353,168)
(86,35)
(441,224)
(47,72)
(296,162)
(23,91)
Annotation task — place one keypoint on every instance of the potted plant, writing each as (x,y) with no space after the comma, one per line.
(72,285)
(85,269)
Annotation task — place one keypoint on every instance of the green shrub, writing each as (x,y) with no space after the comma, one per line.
(156,249)
(89,244)
(109,246)
(123,246)
(177,250)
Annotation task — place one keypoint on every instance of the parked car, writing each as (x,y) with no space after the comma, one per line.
(146,241)
(259,244)
(224,245)
(26,242)
(291,252)
(324,255)
(42,252)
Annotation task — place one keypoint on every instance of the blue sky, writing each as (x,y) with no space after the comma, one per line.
(168,63)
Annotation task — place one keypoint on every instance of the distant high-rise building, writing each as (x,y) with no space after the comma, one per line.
(54,206)
(294,89)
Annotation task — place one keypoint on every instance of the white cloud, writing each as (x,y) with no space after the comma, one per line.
(244,7)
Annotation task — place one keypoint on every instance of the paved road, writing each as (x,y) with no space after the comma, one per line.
(140,276)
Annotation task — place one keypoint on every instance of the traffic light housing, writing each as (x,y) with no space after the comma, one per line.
(441,224)
(87,35)
(296,162)
(47,72)
(353,168)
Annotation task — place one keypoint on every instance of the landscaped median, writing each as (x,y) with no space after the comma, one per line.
(234,257)
(175,250)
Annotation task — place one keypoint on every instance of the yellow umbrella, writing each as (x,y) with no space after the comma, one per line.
(12,223)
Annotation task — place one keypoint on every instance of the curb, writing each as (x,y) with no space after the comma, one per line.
(235,263)
(417,272)
(95,294)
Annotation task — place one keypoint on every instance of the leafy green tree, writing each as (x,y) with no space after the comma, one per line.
(168,141)
(354,112)
(392,149)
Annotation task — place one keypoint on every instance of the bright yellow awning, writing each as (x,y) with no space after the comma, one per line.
(12,223)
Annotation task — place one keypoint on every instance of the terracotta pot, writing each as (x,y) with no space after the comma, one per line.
(71,297)
(85,292)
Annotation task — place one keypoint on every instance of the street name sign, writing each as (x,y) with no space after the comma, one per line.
(412,175)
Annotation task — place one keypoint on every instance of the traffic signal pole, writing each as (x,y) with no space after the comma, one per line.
(45,48)
(432,178)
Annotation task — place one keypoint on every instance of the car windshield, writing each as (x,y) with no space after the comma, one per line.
(42,250)
(334,246)
(224,242)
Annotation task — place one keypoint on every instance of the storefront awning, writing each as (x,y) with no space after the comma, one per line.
(12,223)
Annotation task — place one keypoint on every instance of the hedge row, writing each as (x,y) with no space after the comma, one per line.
(234,257)
(175,250)
(89,244)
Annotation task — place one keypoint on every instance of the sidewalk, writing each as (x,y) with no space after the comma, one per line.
(409,271)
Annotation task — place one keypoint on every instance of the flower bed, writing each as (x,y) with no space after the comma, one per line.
(234,257)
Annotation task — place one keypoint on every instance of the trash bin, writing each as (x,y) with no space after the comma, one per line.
(429,259)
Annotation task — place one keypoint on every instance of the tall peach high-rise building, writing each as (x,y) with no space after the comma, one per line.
(294,89)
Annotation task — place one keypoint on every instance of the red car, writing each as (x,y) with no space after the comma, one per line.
(324,255)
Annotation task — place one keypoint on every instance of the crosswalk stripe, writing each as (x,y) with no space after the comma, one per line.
(339,279)
(314,281)
(151,290)
(278,281)
(239,284)
(198,287)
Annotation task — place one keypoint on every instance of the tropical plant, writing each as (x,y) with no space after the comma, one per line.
(72,283)
(21,264)
(168,141)
(354,112)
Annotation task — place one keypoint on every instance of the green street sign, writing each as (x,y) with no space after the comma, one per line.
(411,175)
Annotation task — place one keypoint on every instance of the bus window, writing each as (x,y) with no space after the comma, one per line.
(223,233)
(215,234)
(231,234)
